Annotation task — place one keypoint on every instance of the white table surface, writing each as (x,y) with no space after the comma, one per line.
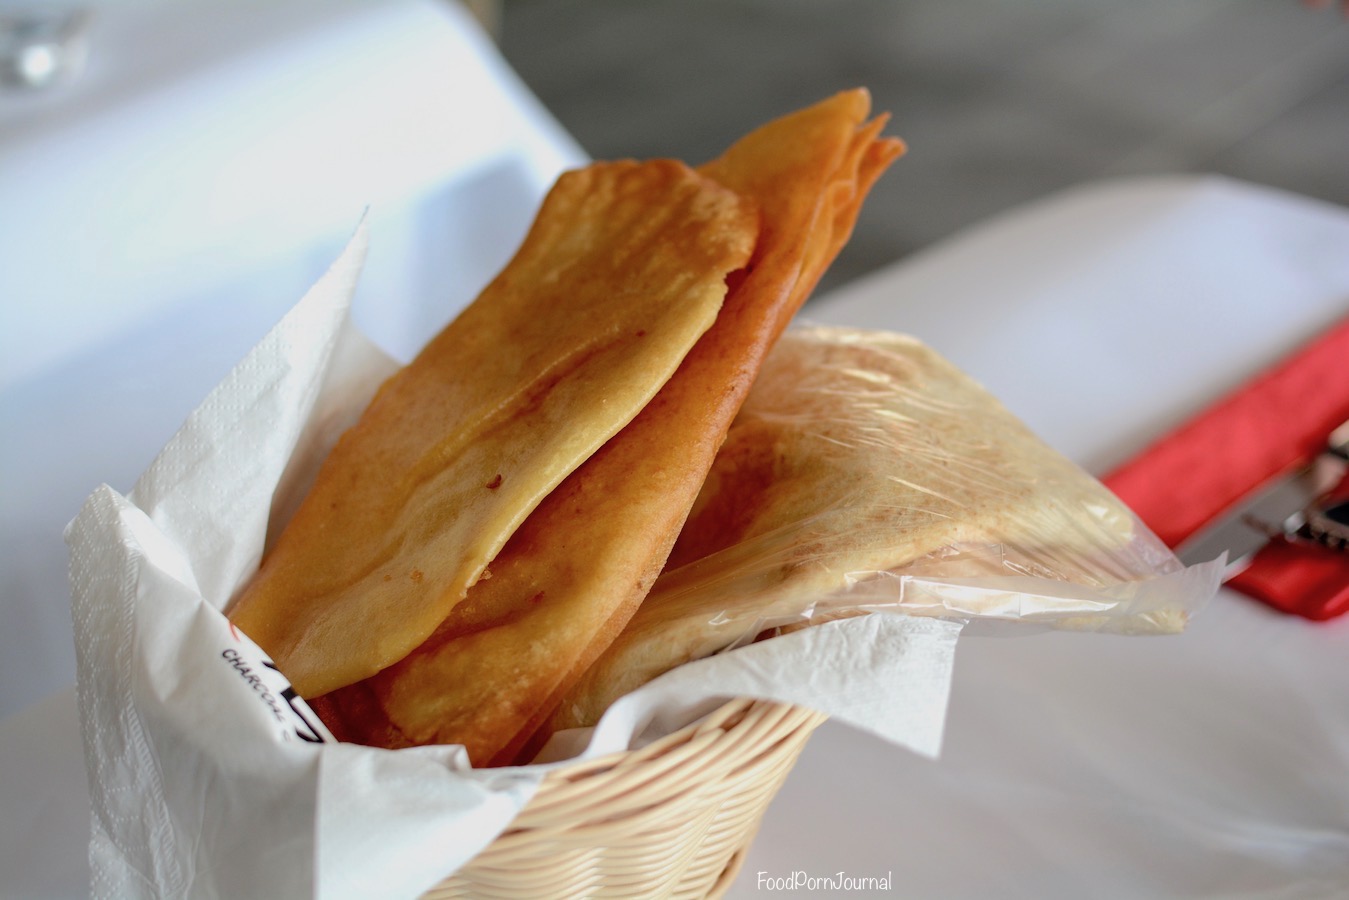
(161,214)
(1211,764)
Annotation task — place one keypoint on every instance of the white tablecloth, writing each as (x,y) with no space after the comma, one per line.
(162,213)
(1211,764)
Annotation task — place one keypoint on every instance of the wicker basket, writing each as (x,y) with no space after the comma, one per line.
(670,820)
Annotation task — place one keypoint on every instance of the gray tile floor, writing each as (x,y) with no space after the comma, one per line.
(1001,102)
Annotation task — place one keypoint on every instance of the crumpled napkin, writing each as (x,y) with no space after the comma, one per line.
(210,778)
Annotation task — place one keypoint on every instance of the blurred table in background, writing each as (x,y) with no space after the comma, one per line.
(1001,103)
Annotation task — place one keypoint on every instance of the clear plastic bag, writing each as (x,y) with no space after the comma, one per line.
(867,474)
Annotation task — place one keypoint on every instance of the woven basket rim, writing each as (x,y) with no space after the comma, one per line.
(654,811)
(574,790)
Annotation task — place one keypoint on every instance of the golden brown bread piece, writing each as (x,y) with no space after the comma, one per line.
(857,452)
(623,269)
(568,580)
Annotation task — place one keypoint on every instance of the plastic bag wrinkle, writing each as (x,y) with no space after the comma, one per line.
(865,474)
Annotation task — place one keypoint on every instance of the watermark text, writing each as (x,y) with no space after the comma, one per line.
(838,882)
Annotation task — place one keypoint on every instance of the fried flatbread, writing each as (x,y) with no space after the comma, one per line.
(623,269)
(856,453)
(570,578)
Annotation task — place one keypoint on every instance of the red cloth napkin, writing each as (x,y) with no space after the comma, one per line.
(1267,429)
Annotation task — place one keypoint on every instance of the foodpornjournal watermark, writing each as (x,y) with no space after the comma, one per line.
(837,882)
